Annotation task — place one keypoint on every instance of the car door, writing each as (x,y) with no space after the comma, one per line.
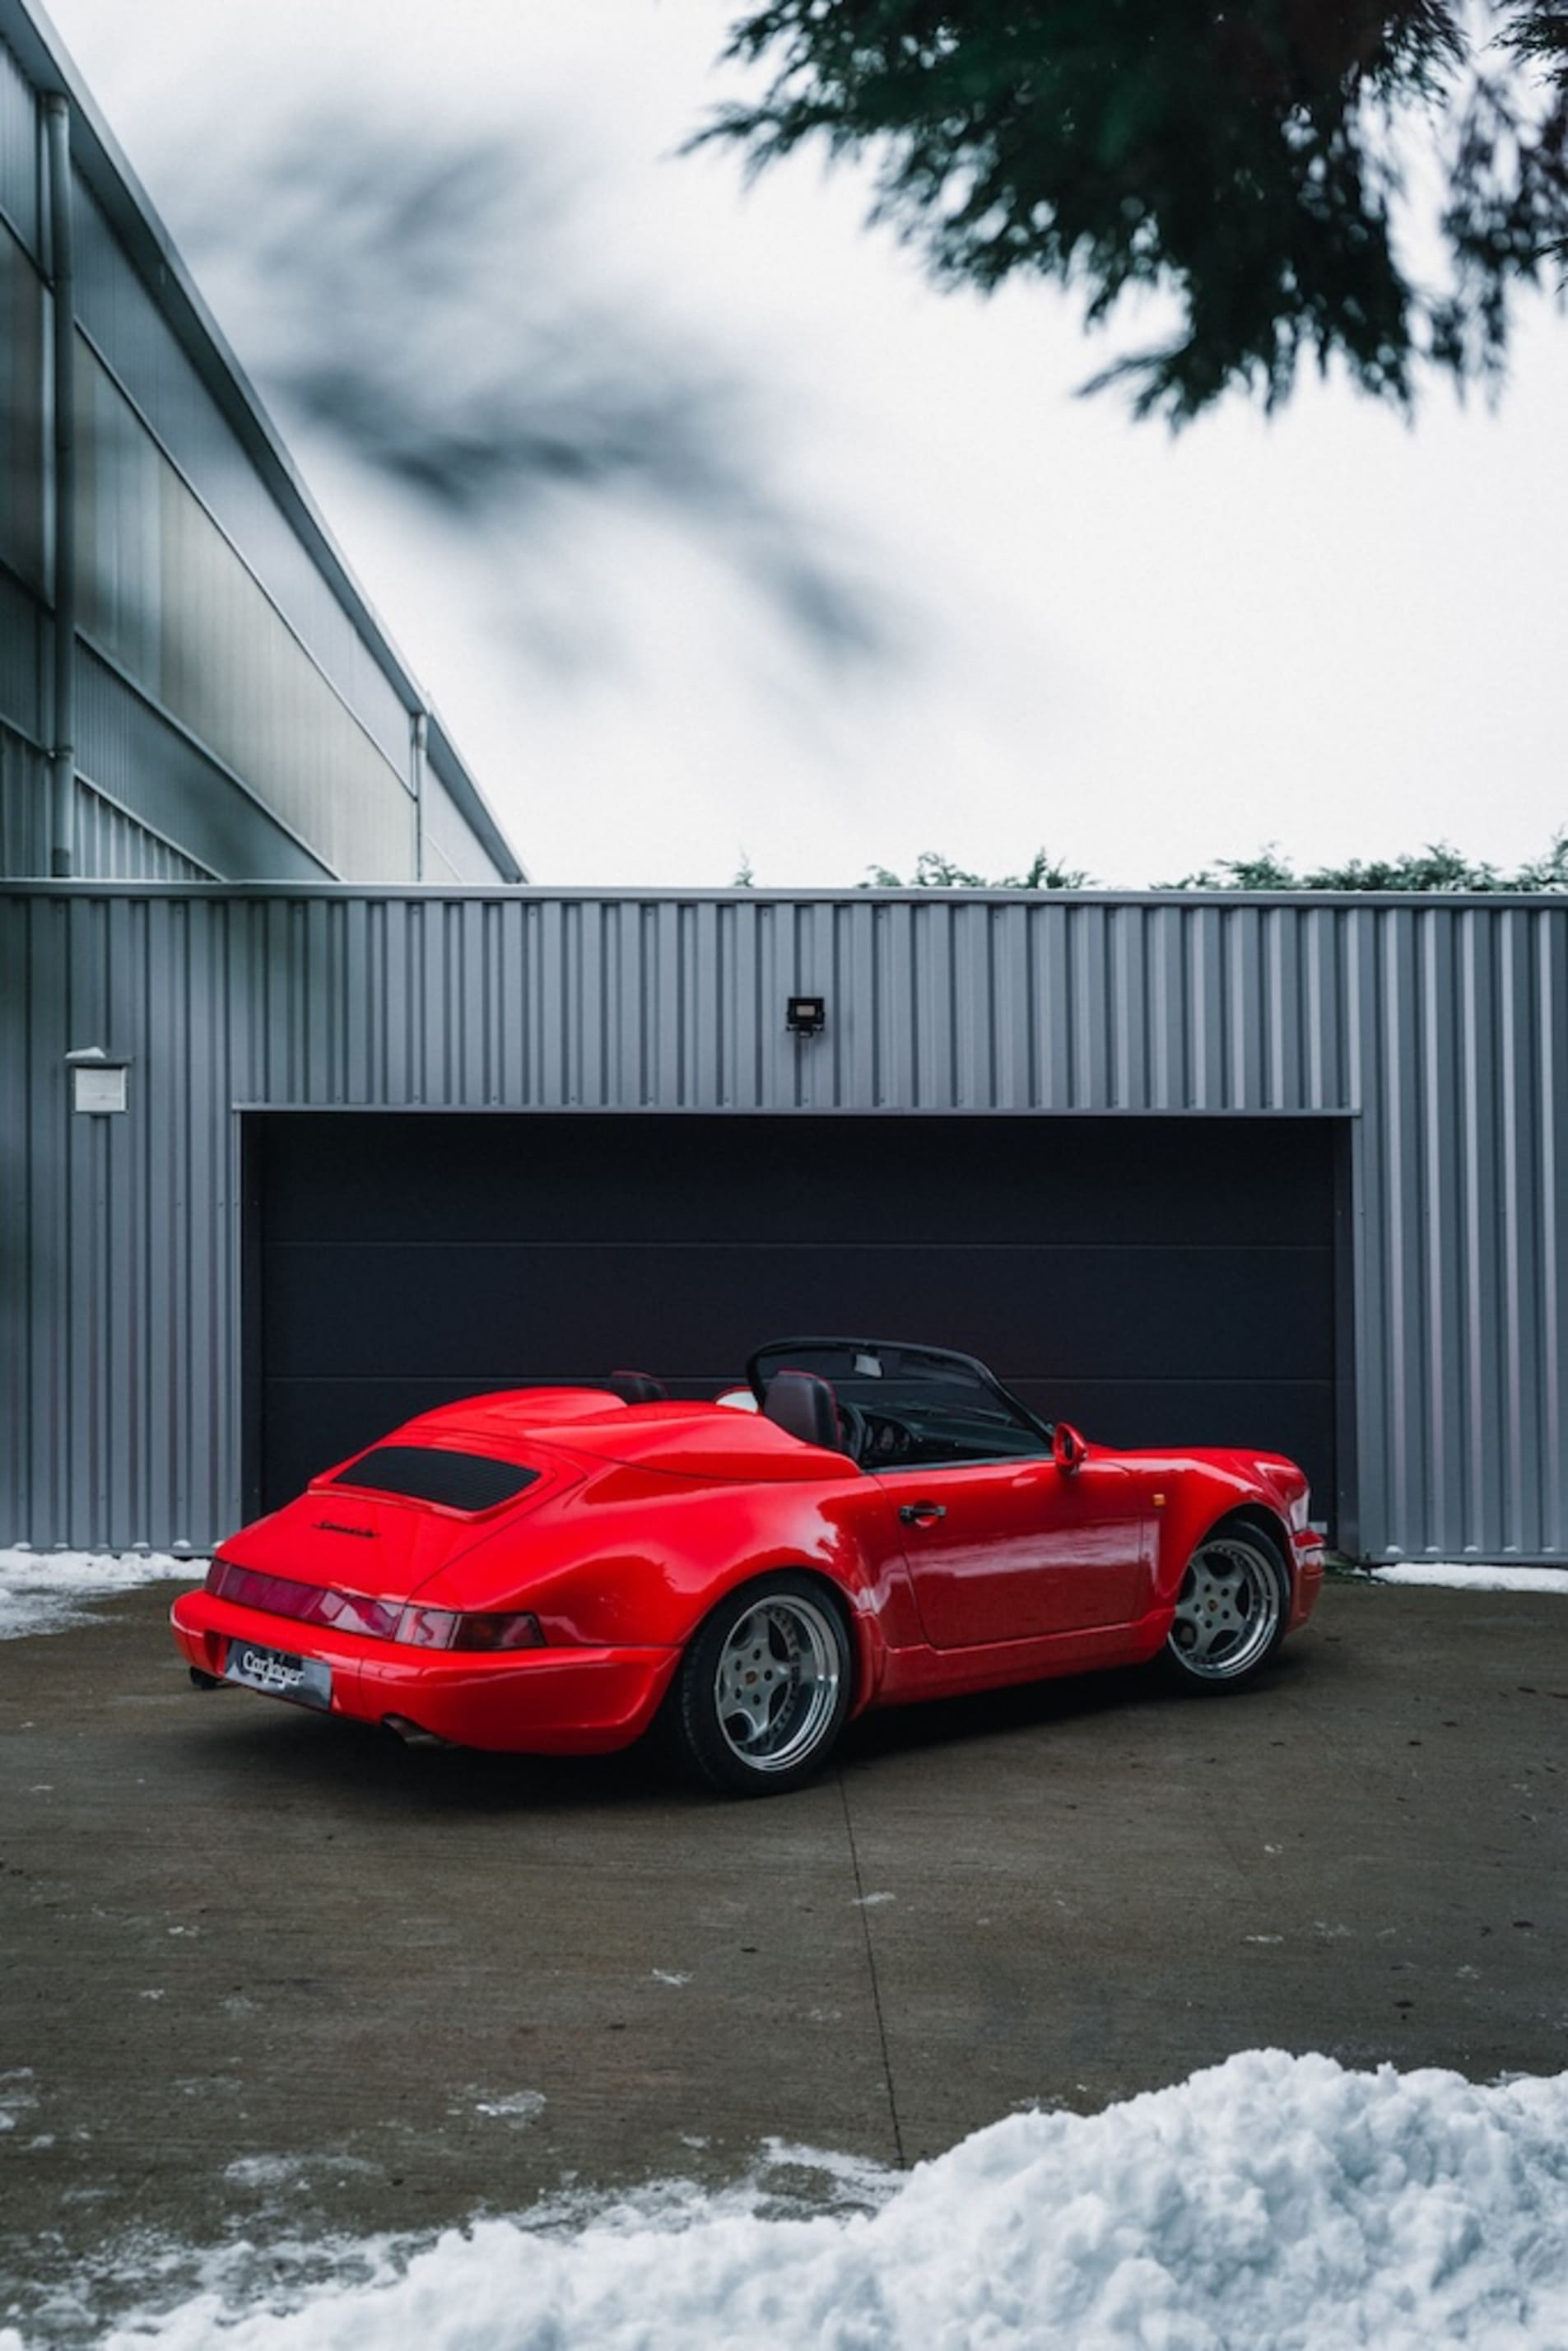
(1012,1551)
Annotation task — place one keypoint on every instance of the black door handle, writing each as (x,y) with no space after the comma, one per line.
(922,1514)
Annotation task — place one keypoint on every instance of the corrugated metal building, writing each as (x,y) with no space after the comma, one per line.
(1268,1171)
(283,1161)
(192,684)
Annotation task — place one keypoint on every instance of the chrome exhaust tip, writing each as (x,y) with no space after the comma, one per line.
(412,1734)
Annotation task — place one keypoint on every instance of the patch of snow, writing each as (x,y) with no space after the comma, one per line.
(17,2096)
(1272,2200)
(264,2171)
(517,2106)
(670,1976)
(1470,1576)
(46,1590)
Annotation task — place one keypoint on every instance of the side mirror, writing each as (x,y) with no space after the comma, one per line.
(1067,1448)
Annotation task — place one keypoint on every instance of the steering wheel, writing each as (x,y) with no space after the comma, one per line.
(852,1428)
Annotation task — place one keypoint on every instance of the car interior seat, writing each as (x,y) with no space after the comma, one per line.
(806,1408)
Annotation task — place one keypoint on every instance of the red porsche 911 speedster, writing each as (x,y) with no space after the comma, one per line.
(549,1571)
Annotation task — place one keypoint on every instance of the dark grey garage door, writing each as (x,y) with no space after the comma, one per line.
(1157,1280)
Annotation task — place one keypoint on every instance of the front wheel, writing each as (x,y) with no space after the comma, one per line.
(764,1688)
(1231,1610)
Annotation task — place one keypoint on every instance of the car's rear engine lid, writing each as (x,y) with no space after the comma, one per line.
(467,1482)
(385,1522)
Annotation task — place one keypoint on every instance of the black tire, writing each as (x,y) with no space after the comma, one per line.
(764,1688)
(1231,1610)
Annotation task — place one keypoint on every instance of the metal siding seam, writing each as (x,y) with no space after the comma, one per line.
(76,1466)
(205,1194)
(934,948)
(1438,1221)
(1477,1400)
(1012,961)
(1552,998)
(1393,1074)
(506,1066)
(1120,1024)
(1279,1075)
(820,1066)
(427,1075)
(704,1014)
(1085,996)
(162,1242)
(215,1475)
(125,1397)
(625,922)
(493,944)
(1516,1220)
(856,926)
(51,1295)
(1052,1014)
(15,1234)
(746,982)
(683,928)
(647,1007)
(1161,979)
(475,1002)
(972,1078)
(1205,1008)
(1027,937)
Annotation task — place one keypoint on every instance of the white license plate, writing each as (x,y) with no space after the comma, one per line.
(304,1679)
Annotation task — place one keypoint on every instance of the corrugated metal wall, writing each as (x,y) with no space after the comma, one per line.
(1440,1029)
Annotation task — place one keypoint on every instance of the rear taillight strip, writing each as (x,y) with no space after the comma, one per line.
(375,1620)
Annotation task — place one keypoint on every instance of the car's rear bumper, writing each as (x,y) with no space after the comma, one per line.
(549,1701)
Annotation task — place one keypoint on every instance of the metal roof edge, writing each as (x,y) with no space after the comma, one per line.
(638,893)
(471,802)
(27,30)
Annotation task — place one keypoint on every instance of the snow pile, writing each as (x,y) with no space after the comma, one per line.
(1272,2201)
(44,1591)
(1471,1576)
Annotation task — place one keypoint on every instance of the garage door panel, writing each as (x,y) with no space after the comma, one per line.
(532,1310)
(897,1182)
(1159,1280)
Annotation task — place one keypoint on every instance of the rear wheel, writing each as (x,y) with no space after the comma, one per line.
(764,1688)
(1231,1610)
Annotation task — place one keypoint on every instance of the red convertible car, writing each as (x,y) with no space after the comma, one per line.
(555,1569)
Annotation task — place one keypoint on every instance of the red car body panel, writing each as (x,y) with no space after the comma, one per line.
(640,1519)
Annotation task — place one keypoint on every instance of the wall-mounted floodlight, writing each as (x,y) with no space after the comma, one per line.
(806,1016)
(100,1082)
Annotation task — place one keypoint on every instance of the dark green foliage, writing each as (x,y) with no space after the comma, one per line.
(934,872)
(1438,866)
(1241,159)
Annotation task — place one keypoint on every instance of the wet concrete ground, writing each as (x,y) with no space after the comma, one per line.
(268,1976)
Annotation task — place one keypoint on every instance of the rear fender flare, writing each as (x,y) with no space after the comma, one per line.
(867,1645)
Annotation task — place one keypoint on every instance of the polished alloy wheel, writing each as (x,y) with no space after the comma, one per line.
(1231,1609)
(776,1688)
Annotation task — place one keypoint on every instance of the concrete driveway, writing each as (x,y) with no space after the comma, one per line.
(265,1974)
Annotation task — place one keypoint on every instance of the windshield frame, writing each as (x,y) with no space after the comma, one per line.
(775,1356)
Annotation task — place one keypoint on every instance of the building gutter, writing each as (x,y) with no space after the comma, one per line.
(62,257)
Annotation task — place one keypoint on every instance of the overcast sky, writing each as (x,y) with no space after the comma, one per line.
(1044,624)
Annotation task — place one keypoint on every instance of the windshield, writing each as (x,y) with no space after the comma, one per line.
(949,1404)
